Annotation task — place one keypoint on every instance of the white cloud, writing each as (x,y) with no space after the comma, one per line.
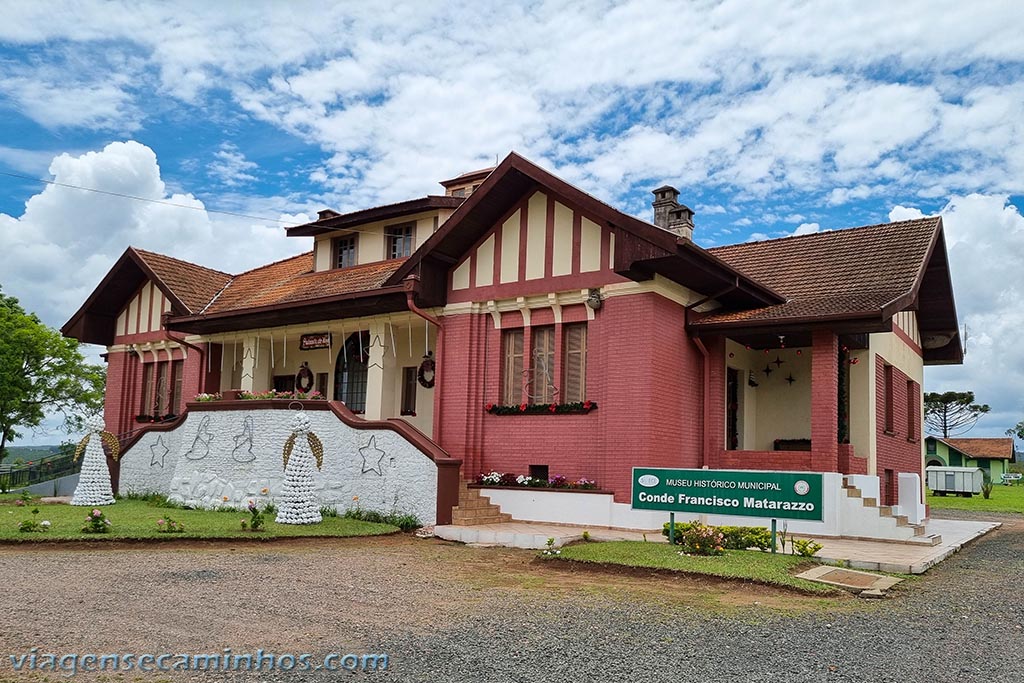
(231,167)
(905,213)
(985,240)
(842,195)
(806,229)
(57,251)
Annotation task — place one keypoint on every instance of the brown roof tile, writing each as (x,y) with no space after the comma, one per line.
(293,280)
(983,448)
(831,274)
(193,285)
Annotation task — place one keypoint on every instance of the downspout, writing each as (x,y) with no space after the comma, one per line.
(706,364)
(412,284)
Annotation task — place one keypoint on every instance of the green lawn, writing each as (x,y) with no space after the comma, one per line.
(746,565)
(136,519)
(1004,499)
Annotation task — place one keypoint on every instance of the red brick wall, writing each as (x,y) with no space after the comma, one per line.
(895,451)
(824,401)
(642,371)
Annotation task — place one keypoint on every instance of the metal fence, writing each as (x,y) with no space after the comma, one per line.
(18,476)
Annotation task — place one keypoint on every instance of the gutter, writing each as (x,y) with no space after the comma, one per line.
(411,285)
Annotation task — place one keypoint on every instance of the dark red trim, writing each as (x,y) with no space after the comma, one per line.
(907,339)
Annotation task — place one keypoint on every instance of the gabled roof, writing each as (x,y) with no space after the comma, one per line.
(641,249)
(330,220)
(991,448)
(858,275)
(187,286)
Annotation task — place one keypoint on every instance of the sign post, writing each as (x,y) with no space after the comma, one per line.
(774,523)
(671,528)
(745,493)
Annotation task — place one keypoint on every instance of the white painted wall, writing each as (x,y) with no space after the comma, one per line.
(843,516)
(202,477)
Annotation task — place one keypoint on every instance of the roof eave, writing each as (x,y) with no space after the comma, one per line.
(378,213)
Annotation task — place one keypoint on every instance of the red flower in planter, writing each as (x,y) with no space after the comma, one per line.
(553,407)
(587,405)
(489,407)
(522,407)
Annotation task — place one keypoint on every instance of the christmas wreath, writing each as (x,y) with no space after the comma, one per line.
(426,368)
(304,379)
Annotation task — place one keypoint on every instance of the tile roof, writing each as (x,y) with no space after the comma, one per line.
(193,285)
(831,274)
(293,281)
(983,448)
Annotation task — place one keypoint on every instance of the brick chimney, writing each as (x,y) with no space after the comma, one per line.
(669,214)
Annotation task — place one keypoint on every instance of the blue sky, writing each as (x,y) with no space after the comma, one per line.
(772,119)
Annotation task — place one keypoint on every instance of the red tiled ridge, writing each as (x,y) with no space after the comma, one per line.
(850,271)
(983,448)
(194,285)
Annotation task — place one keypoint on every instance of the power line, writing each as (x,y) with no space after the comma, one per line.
(145,199)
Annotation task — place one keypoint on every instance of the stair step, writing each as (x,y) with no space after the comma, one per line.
(476,520)
(852,492)
(870,503)
(902,520)
(885,511)
(470,503)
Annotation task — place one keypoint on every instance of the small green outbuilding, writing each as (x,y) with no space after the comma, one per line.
(991,455)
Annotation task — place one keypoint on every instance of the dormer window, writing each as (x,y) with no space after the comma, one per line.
(398,241)
(345,252)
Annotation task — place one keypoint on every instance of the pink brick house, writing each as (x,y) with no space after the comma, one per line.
(569,337)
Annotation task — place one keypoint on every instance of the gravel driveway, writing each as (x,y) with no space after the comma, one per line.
(449,613)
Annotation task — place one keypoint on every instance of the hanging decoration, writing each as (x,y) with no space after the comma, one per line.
(767,370)
(791,379)
(425,374)
(296,502)
(94,480)
(751,380)
(778,362)
(304,378)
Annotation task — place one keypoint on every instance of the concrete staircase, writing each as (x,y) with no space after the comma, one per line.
(474,509)
(918,532)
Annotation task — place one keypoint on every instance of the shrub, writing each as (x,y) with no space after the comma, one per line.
(986,487)
(256,520)
(404,521)
(806,547)
(96,523)
(328,511)
(701,539)
(31,525)
(681,528)
(744,537)
(166,525)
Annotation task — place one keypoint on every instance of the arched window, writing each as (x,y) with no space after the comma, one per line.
(350,374)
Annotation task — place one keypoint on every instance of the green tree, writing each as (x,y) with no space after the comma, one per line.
(952,413)
(41,373)
(1017,430)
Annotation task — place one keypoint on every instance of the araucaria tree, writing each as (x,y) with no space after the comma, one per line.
(41,372)
(952,413)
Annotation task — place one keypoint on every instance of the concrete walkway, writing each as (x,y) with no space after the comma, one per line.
(902,558)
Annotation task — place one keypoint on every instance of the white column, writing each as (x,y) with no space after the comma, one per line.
(248,348)
(380,390)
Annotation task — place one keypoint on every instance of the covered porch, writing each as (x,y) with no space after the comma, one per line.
(795,400)
(375,365)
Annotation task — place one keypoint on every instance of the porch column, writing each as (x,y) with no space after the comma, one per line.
(825,401)
(379,374)
(247,382)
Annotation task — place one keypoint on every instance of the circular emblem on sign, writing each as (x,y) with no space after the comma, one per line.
(648,480)
(802,488)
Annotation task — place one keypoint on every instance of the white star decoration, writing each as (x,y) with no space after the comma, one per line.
(376,344)
(371,453)
(159,451)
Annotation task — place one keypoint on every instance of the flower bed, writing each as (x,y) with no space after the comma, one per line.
(263,396)
(509,479)
(581,408)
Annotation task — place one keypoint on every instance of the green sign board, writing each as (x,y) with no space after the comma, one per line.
(779,495)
